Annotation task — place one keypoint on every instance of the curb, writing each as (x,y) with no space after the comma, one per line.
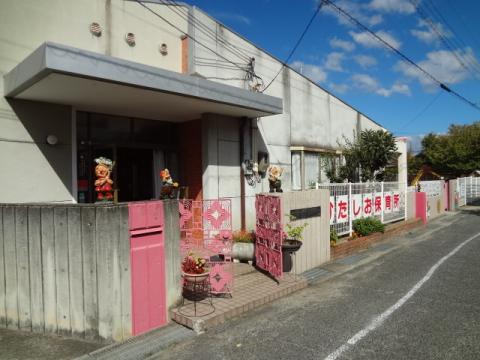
(142,346)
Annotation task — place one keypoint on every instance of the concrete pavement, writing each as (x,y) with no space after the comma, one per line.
(440,320)
(22,345)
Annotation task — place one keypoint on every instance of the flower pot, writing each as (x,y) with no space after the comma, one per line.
(195,278)
(243,251)
(289,246)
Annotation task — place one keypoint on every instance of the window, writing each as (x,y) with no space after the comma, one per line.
(296,171)
(311,167)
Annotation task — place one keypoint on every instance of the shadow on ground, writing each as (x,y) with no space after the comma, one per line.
(21,345)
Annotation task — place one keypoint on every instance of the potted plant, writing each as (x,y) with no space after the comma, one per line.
(243,245)
(292,242)
(194,268)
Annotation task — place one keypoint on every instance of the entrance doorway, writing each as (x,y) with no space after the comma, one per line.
(140,149)
(134,178)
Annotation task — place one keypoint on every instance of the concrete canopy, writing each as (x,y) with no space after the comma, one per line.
(98,83)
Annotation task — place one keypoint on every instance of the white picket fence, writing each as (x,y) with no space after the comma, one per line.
(468,190)
(350,201)
(432,188)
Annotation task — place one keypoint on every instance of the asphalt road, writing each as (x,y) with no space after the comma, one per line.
(419,301)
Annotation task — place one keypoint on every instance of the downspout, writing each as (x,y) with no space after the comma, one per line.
(242,173)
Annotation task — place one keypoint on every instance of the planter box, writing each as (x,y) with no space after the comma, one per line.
(351,246)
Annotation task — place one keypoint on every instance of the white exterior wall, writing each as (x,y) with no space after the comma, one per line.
(311,116)
(38,172)
(401,143)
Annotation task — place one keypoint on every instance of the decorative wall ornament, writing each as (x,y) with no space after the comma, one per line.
(95,29)
(103,183)
(130,39)
(163,49)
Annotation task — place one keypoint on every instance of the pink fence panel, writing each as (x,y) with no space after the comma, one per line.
(421,206)
(206,230)
(269,234)
(147,258)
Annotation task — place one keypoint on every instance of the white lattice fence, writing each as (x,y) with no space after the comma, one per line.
(432,188)
(468,190)
(350,201)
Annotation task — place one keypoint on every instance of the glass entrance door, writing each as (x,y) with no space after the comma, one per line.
(134,168)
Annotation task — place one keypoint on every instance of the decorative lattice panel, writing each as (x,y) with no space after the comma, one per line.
(269,234)
(206,230)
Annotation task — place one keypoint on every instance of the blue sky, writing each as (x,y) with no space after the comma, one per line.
(355,67)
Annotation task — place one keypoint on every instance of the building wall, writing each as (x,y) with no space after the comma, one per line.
(221,161)
(38,172)
(34,171)
(402,159)
(312,117)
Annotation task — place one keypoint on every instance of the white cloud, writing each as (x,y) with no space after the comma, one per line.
(356,10)
(392,6)
(365,61)
(369,84)
(414,143)
(427,34)
(398,88)
(342,44)
(234,17)
(334,61)
(366,39)
(339,88)
(313,72)
(375,20)
(442,64)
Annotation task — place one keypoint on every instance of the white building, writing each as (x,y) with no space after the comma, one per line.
(111,78)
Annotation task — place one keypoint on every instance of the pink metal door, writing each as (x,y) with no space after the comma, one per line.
(147,257)
(269,234)
(446,195)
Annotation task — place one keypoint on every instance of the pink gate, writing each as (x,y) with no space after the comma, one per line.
(206,230)
(269,234)
(147,258)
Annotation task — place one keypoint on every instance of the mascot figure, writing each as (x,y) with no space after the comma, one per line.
(103,183)
(169,187)
(274,175)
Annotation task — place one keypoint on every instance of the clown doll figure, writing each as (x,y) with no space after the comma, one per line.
(274,176)
(103,183)
(168,185)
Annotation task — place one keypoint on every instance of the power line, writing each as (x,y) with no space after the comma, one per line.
(420,113)
(400,54)
(465,61)
(456,39)
(320,4)
(174,7)
(465,25)
(254,81)
(187,35)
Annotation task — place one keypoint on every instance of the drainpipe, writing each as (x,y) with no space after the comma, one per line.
(243,123)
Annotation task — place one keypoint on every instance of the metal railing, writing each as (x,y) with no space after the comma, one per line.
(468,190)
(350,201)
(432,188)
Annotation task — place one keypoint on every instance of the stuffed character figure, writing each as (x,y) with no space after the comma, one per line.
(168,185)
(274,175)
(103,183)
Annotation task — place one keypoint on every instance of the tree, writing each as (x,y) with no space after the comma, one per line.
(455,154)
(366,157)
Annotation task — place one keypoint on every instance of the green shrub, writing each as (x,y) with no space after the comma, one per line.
(333,235)
(367,226)
(243,236)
